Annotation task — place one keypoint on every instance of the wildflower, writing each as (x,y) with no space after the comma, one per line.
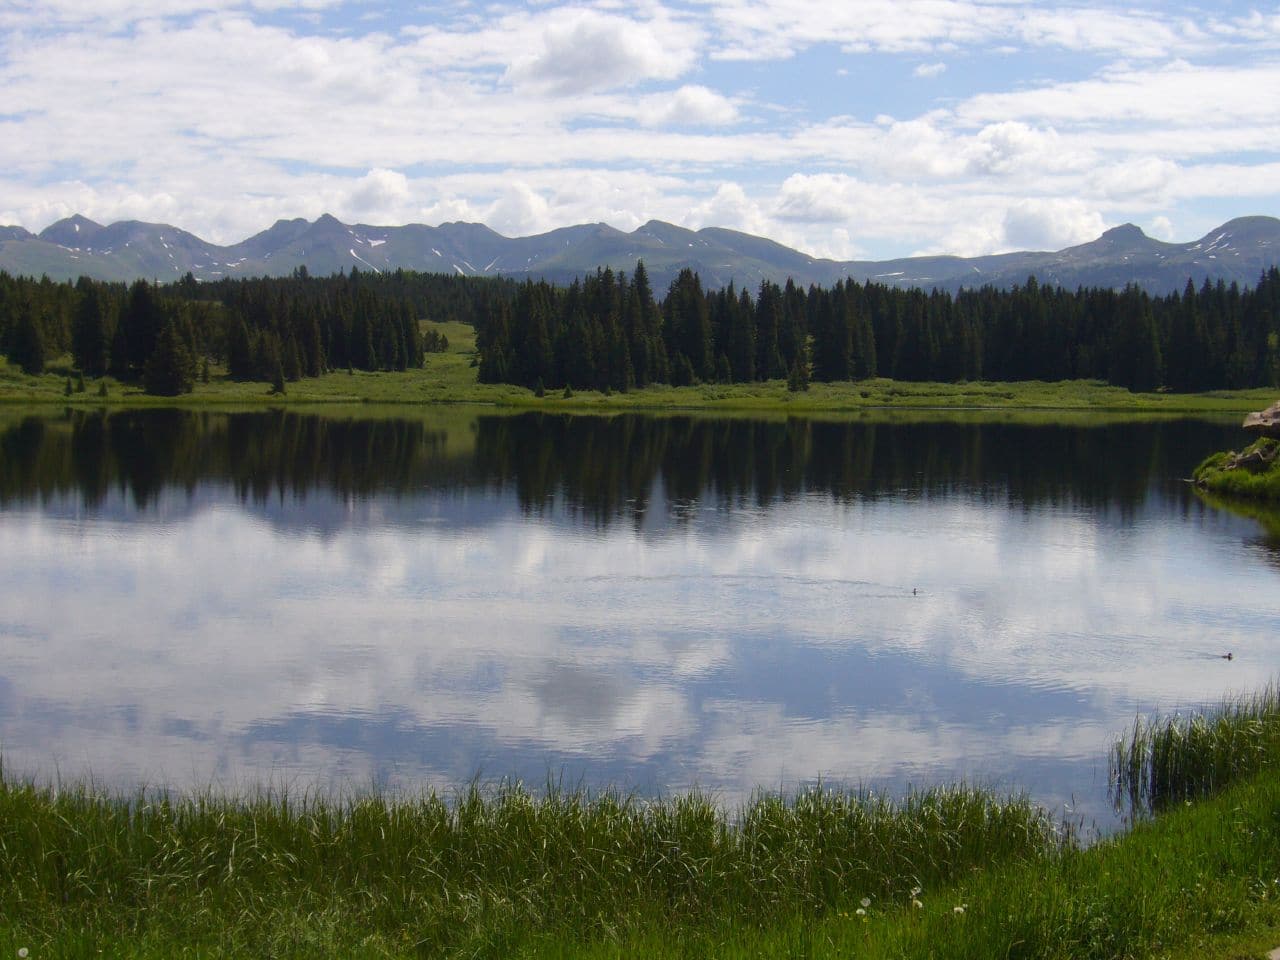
(865,901)
(861,911)
(917,904)
(957,909)
(915,891)
(22,953)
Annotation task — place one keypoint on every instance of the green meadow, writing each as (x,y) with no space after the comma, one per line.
(451,378)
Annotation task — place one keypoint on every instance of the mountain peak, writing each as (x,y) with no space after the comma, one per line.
(1247,228)
(1238,251)
(72,231)
(1125,233)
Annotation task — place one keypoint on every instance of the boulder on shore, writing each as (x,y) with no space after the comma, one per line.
(1255,459)
(1266,423)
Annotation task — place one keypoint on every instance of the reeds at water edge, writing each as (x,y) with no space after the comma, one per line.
(1167,759)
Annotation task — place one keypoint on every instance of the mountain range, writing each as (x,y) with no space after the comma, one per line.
(1239,250)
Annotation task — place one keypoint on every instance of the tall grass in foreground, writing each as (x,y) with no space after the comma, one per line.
(1169,759)
(476,873)
(1201,882)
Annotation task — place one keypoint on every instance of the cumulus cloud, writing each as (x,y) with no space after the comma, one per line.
(729,207)
(1134,179)
(378,193)
(519,211)
(1050,224)
(818,198)
(537,115)
(689,106)
(1011,147)
(577,50)
(1161,228)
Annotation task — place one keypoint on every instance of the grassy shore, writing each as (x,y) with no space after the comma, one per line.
(480,875)
(451,378)
(1251,474)
(513,873)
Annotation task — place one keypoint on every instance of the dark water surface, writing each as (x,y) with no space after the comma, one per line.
(210,599)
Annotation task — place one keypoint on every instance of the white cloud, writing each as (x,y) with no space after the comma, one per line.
(819,198)
(1161,228)
(520,211)
(117,14)
(1088,28)
(378,194)
(770,29)
(1012,147)
(729,207)
(1132,179)
(579,50)
(1050,224)
(541,115)
(689,106)
(1180,94)
(929,70)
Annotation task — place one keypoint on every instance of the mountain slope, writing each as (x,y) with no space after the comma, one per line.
(1238,251)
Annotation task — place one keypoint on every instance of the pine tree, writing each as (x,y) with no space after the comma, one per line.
(724,372)
(1136,362)
(769,364)
(688,325)
(239,351)
(292,362)
(798,378)
(89,330)
(141,322)
(742,339)
(27,347)
(169,371)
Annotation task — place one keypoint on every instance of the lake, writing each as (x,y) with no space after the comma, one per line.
(406,598)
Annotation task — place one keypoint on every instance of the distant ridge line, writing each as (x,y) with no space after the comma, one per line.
(1238,251)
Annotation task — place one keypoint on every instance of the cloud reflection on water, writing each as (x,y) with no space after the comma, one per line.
(741,647)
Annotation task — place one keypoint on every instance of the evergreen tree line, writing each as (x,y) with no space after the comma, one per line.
(269,329)
(608,332)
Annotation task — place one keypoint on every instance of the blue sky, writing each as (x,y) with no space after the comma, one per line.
(862,129)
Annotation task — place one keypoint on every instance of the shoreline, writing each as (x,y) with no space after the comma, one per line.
(1251,476)
(505,871)
(446,385)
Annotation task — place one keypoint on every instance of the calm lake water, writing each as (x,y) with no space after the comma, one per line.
(226,600)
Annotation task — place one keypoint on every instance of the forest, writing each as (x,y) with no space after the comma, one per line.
(609,332)
(276,330)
